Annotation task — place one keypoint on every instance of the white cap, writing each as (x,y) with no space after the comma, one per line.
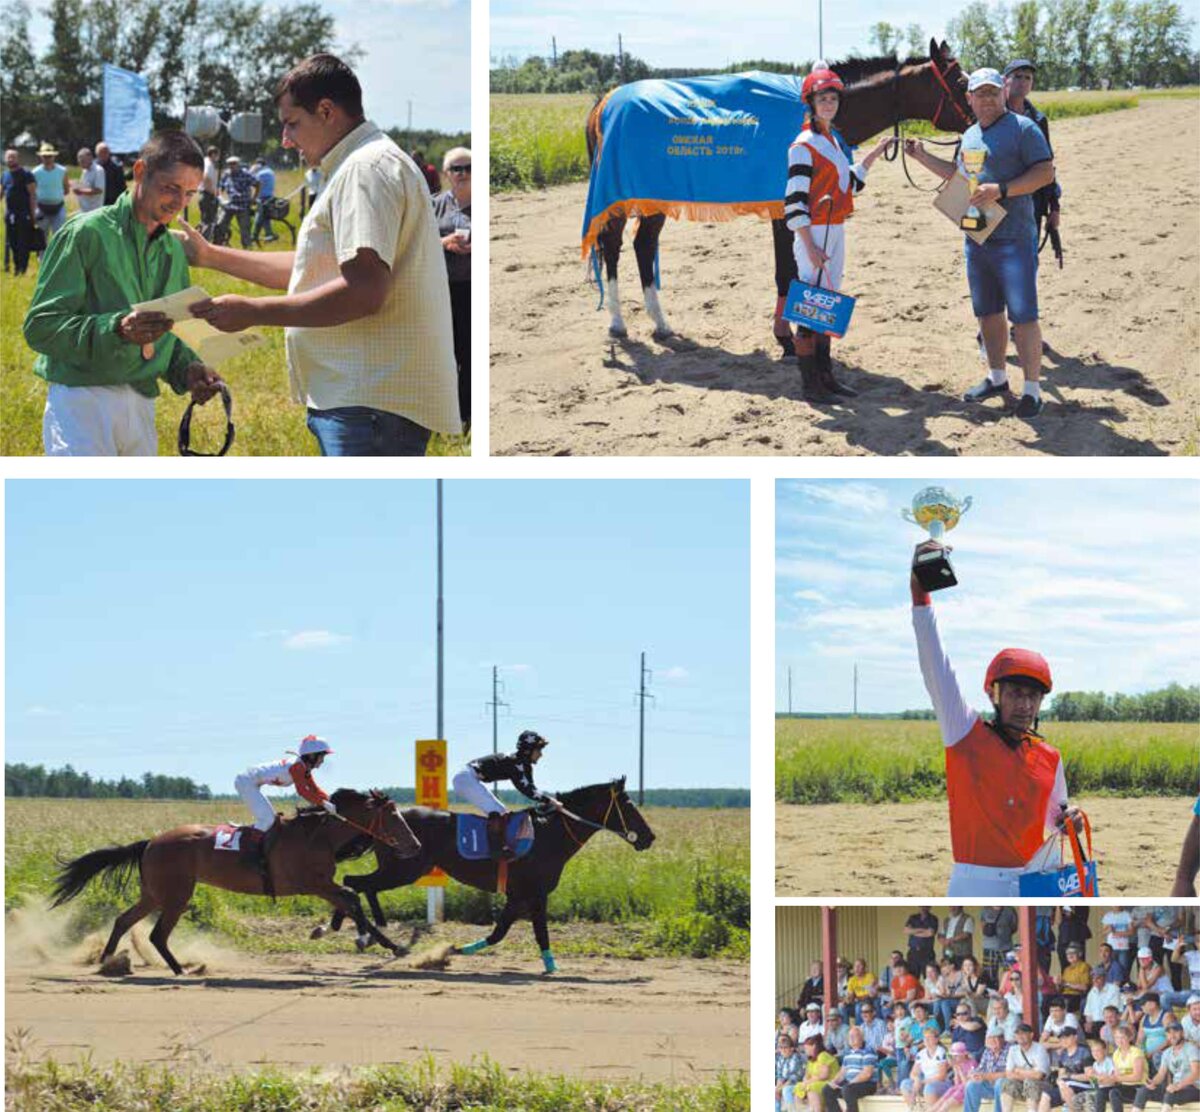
(1145,952)
(1193,999)
(984,76)
(313,744)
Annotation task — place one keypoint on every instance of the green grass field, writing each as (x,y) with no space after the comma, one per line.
(537,139)
(688,894)
(268,422)
(832,760)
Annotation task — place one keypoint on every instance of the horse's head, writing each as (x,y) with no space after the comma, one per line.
(953,112)
(609,805)
(379,816)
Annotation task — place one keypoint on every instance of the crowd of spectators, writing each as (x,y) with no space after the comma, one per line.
(941,1028)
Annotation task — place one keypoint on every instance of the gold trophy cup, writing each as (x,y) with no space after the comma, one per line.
(937,511)
(973,159)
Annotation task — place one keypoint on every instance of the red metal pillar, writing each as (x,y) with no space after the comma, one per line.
(829,956)
(1031,973)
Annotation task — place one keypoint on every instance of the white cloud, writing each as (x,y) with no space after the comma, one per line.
(37,711)
(810,596)
(675,672)
(862,497)
(315,639)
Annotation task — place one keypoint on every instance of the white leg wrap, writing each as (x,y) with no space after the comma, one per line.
(661,328)
(616,325)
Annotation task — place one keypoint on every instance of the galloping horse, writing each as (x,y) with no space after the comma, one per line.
(880,93)
(558,836)
(300,862)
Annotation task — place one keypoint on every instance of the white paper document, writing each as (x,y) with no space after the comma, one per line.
(210,345)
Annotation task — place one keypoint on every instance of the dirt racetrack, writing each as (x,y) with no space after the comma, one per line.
(1122,321)
(903,849)
(600,1018)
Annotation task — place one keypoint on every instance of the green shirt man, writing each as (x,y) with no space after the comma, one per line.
(102,360)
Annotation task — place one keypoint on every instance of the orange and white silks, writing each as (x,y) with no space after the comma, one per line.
(999,797)
(818,168)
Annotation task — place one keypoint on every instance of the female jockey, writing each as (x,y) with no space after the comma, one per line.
(291,771)
(1004,783)
(820,195)
(516,768)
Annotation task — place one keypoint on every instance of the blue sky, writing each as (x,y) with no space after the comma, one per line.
(194,627)
(1098,576)
(418,50)
(708,32)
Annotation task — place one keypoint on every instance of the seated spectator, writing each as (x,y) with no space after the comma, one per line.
(973,989)
(1149,977)
(1177,1080)
(835,1034)
(967,1028)
(812,1024)
(861,985)
(1185,955)
(873,1028)
(1102,1072)
(787,1072)
(843,978)
(949,990)
(1000,1015)
(983,1082)
(1101,995)
(1075,981)
(1129,1068)
(905,987)
(1071,1085)
(1108,1030)
(1109,965)
(961,1065)
(930,1076)
(888,1062)
(789,1024)
(894,965)
(813,990)
(930,993)
(1026,1067)
(1191,1021)
(1057,1024)
(820,1069)
(857,1077)
(1014,999)
(902,1040)
(1152,1030)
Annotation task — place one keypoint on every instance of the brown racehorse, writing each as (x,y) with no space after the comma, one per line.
(301,861)
(880,93)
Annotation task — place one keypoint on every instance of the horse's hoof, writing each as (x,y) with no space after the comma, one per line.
(618,332)
(362,941)
(663,333)
(318,932)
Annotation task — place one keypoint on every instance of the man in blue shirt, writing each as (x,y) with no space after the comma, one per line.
(239,186)
(1002,271)
(856,1078)
(266,194)
(19,192)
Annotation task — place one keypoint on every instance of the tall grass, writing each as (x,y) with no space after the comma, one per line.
(268,422)
(538,140)
(696,876)
(872,760)
(484,1085)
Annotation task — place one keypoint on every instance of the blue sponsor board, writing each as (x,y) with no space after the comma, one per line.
(818,309)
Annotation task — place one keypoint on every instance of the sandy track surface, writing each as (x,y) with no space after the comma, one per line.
(1122,320)
(659,1019)
(903,849)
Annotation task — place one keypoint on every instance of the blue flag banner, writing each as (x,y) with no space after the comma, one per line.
(127,120)
(706,148)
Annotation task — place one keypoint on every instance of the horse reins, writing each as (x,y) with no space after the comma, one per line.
(897,133)
(626,833)
(376,822)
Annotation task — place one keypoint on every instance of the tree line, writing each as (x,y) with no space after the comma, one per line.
(66,783)
(1084,43)
(1175,703)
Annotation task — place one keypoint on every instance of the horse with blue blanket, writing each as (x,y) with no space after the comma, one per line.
(458,844)
(712,148)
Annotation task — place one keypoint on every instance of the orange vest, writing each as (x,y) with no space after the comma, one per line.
(998,797)
(825,180)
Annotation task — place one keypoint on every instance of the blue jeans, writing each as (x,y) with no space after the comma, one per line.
(1003,276)
(943,1011)
(358,430)
(978,1091)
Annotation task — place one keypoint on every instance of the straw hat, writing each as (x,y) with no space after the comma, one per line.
(47,148)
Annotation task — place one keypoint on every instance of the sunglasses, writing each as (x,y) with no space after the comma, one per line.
(460,169)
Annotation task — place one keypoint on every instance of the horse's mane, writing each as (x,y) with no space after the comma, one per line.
(349,795)
(861,71)
(591,789)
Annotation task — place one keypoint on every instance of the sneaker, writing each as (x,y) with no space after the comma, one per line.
(1029,406)
(981,391)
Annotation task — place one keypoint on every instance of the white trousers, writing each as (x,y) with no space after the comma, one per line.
(835,249)
(98,421)
(469,787)
(253,798)
(983,880)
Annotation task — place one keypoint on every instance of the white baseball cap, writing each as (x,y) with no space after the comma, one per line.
(984,76)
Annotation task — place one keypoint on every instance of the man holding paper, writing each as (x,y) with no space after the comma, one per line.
(1002,270)
(100,354)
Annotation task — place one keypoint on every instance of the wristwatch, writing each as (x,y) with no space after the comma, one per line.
(1003,190)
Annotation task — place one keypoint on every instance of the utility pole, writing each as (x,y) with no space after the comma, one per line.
(496,704)
(620,58)
(435,898)
(789,689)
(410,143)
(554,51)
(821,28)
(643,695)
(855,690)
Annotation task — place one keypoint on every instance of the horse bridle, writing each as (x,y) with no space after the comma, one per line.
(613,801)
(946,95)
(185,426)
(375,829)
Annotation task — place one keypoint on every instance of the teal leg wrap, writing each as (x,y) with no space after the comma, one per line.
(474,947)
(548,962)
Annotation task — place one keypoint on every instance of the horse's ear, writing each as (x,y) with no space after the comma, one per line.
(947,53)
(933,50)
(621,783)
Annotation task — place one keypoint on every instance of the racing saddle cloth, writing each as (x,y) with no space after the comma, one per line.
(472,835)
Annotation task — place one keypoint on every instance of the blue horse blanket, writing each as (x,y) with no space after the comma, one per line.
(708,148)
(472,839)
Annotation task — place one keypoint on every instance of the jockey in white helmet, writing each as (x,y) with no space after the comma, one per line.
(294,770)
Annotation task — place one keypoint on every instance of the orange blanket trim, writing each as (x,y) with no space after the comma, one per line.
(704,212)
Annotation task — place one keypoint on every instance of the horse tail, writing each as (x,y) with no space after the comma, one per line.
(591,130)
(117,861)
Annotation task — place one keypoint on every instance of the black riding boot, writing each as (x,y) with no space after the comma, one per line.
(815,389)
(497,846)
(825,370)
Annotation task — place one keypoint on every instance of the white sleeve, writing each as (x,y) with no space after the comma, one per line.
(796,200)
(1058,795)
(954,714)
(858,177)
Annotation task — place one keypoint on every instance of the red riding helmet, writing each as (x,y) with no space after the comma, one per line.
(1017,663)
(820,80)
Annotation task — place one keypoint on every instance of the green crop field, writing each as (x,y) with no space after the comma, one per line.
(268,422)
(834,760)
(537,139)
(688,894)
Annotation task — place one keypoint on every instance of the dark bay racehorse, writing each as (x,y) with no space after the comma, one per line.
(531,879)
(301,862)
(880,93)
